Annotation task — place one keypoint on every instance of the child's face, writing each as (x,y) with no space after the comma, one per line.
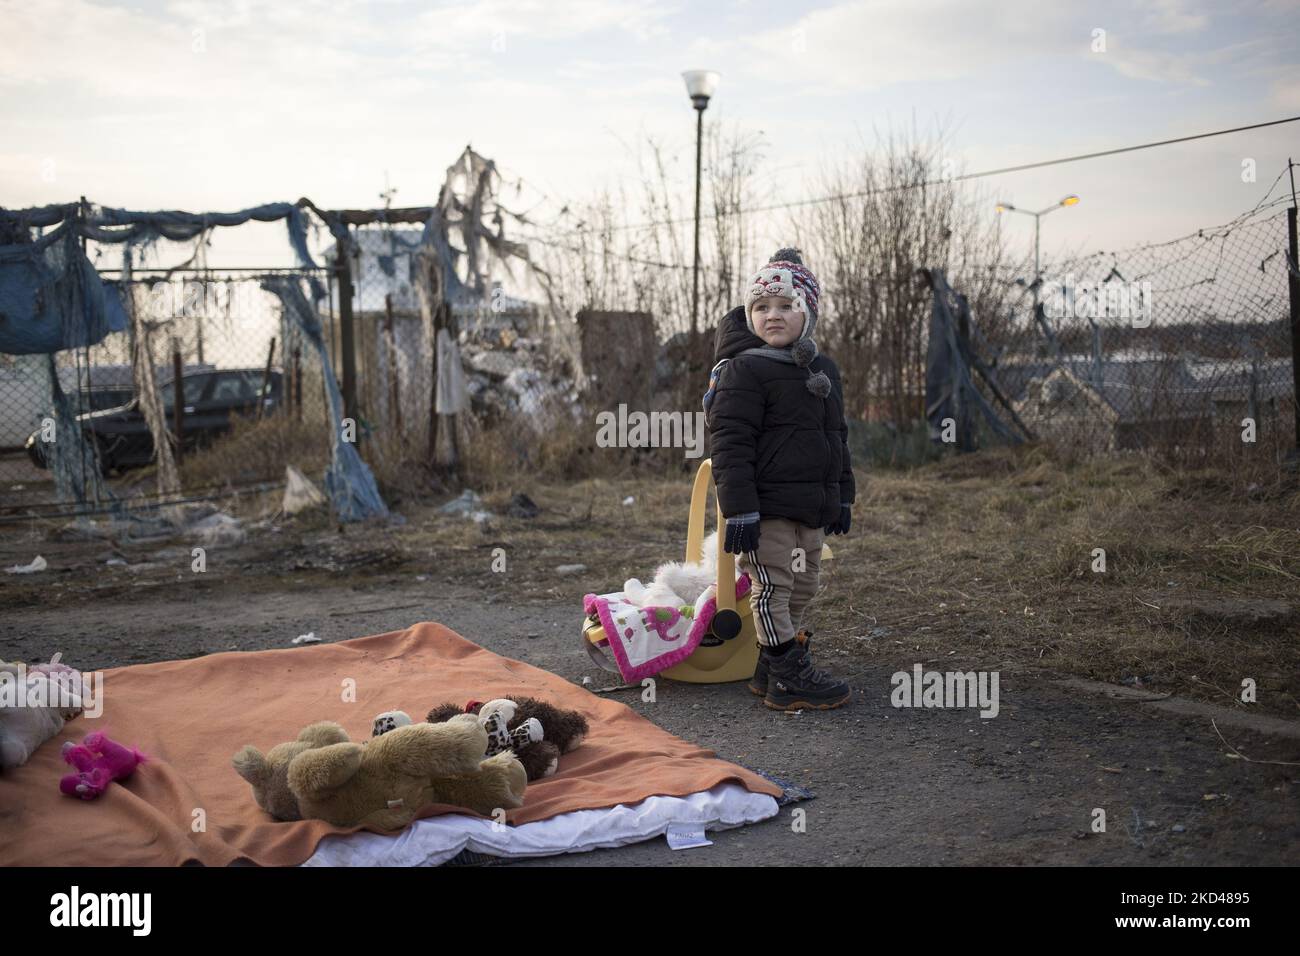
(776,320)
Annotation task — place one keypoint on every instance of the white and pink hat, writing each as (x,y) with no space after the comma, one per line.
(785,275)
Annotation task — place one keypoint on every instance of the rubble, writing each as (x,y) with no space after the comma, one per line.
(510,377)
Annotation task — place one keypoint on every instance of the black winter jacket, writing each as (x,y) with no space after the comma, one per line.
(777,448)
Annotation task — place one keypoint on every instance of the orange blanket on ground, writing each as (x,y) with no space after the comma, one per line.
(189,717)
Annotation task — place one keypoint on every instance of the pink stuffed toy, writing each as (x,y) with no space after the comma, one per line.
(98,762)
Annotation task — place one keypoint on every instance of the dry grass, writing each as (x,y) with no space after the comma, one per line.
(258,451)
(990,560)
(565,451)
(982,561)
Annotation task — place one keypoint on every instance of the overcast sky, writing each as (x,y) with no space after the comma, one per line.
(206,105)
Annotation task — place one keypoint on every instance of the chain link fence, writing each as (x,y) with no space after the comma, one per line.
(1182,348)
(240,362)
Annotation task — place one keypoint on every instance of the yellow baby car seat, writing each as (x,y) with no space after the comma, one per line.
(729,649)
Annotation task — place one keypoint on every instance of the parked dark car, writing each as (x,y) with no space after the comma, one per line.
(212,400)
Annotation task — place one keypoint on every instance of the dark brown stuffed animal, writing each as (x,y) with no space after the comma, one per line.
(564,730)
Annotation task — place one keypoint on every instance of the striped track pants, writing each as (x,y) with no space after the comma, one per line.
(784,572)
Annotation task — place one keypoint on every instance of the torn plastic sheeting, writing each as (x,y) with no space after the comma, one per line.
(179,226)
(39,564)
(299,493)
(451,391)
(349,482)
(950,390)
(73,456)
(142,228)
(51,297)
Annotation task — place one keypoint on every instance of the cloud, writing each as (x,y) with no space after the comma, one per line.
(1173,16)
(1193,68)
(249,49)
(871,44)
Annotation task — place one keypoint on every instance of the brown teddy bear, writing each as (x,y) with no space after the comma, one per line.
(269,773)
(563,730)
(385,782)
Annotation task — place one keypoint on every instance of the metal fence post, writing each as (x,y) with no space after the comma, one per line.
(178,395)
(1293,293)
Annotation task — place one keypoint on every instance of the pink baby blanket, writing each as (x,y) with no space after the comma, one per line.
(647,640)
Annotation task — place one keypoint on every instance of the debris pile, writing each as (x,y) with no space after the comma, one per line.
(510,377)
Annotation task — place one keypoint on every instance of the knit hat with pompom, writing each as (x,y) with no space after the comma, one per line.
(786,275)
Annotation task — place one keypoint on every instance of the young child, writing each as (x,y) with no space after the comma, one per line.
(775,410)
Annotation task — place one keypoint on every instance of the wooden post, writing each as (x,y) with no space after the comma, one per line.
(296,384)
(347,344)
(394,386)
(966,436)
(178,396)
(266,380)
(433,386)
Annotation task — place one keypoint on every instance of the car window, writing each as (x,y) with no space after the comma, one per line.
(192,387)
(233,387)
(107,398)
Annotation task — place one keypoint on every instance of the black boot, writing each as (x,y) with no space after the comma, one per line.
(793,683)
(758,683)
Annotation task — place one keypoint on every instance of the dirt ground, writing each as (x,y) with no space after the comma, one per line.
(984,569)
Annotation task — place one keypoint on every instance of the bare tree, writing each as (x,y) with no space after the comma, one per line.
(889,213)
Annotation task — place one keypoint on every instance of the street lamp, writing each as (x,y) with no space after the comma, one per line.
(1069,200)
(700,85)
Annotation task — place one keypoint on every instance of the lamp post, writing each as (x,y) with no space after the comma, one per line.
(1069,200)
(700,85)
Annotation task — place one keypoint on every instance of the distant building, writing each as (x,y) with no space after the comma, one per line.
(1127,403)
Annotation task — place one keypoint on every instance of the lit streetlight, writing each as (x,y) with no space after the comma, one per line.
(1002,207)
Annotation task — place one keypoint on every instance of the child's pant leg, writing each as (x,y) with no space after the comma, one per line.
(805,581)
(773,580)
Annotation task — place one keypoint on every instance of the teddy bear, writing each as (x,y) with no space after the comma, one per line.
(563,729)
(269,774)
(98,760)
(384,782)
(389,720)
(35,704)
(493,717)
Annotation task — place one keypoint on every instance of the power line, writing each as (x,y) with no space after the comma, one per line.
(1206,234)
(1213,232)
(939,182)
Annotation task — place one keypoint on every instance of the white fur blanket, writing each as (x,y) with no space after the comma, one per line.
(677,582)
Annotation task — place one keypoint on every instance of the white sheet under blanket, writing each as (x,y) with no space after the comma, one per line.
(435,840)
